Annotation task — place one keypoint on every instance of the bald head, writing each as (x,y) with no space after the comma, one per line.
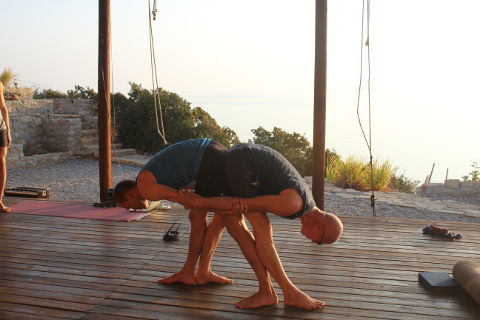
(321,227)
(333,229)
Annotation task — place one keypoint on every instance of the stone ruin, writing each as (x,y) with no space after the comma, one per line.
(467,191)
(49,131)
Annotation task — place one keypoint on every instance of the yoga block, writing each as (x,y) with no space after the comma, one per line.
(437,281)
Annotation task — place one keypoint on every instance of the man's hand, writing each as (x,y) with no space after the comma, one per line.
(238,207)
(187,197)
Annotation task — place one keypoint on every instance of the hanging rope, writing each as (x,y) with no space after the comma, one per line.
(369,140)
(152,15)
(115,156)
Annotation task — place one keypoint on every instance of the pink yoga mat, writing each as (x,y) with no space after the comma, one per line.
(69,210)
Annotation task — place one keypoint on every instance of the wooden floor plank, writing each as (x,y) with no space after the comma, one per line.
(61,268)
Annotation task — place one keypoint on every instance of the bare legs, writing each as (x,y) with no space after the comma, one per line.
(201,238)
(212,237)
(266,294)
(262,230)
(3,177)
(203,242)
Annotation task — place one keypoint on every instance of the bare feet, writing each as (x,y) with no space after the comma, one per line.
(257,300)
(4,209)
(211,277)
(185,278)
(301,300)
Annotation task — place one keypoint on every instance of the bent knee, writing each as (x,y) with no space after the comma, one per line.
(197,216)
(260,224)
(235,226)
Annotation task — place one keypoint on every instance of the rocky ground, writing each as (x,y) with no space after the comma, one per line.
(78,180)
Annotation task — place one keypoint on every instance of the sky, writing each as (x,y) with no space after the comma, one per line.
(250,63)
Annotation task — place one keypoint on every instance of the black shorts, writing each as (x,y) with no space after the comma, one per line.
(3,138)
(242,174)
(255,170)
(211,179)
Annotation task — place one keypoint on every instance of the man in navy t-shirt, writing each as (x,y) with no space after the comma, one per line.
(178,167)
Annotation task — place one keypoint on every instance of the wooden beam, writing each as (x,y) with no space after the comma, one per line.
(104,141)
(319,103)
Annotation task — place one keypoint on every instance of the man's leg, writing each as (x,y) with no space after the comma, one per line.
(262,230)
(198,220)
(3,177)
(212,237)
(266,294)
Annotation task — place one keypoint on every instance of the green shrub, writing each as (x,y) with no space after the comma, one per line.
(382,174)
(48,94)
(354,173)
(402,183)
(351,173)
(474,175)
(80,92)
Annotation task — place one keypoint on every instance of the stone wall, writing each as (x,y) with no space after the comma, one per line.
(47,130)
(62,134)
(15,93)
(26,119)
(82,107)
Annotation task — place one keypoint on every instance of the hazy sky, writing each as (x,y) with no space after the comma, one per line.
(250,63)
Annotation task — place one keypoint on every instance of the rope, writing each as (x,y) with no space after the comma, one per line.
(369,140)
(153,64)
(114,118)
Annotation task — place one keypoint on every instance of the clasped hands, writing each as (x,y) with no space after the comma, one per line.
(188,198)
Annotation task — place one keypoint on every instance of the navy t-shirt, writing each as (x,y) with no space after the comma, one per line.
(255,170)
(177,165)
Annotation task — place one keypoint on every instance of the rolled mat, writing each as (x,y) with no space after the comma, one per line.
(467,274)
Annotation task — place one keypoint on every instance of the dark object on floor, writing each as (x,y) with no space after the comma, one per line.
(438,281)
(441,232)
(172,235)
(108,203)
(27,192)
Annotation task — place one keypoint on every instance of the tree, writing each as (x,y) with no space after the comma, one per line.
(294,146)
(80,92)
(137,122)
(206,126)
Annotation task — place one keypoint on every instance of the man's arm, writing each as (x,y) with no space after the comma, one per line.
(286,203)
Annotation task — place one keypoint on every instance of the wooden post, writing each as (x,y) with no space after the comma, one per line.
(431,173)
(319,103)
(104,141)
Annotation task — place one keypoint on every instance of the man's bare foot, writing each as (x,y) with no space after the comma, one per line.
(179,277)
(257,300)
(301,300)
(211,277)
(4,209)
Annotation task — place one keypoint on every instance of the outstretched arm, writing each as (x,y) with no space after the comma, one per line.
(284,204)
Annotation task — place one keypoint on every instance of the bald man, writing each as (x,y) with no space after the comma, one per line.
(262,181)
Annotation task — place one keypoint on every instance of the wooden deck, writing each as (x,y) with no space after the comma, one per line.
(62,268)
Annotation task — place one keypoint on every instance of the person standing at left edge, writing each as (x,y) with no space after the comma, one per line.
(5,141)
